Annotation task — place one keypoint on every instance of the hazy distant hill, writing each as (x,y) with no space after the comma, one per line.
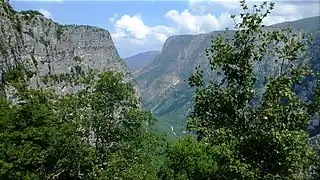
(308,25)
(163,82)
(140,60)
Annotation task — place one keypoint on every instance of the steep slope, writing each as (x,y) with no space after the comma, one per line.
(47,47)
(140,60)
(308,25)
(164,84)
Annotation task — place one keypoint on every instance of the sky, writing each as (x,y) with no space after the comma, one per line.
(138,26)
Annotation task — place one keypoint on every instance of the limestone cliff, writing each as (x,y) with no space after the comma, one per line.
(164,82)
(48,48)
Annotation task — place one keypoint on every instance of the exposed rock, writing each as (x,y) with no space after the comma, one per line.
(164,82)
(48,48)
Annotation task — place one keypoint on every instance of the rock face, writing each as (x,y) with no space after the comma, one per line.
(48,48)
(164,82)
(169,71)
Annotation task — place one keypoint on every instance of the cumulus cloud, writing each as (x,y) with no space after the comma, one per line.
(134,29)
(132,35)
(195,24)
(133,25)
(293,10)
(200,17)
(285,10)
(161,33)
(45,13)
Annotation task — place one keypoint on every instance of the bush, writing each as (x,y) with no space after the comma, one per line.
(59,32)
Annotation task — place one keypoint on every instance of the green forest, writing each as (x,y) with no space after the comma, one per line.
(101,131)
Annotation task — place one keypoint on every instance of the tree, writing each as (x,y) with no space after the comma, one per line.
(35,143)
(110,118)
(97,132)
(264,141)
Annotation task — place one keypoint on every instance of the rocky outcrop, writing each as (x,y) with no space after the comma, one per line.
(164,81)
(48,48)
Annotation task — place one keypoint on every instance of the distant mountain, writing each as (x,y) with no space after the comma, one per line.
(140,60)
(164,82)
(308,25)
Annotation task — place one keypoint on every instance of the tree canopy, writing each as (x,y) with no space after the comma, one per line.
(243,140)
(100,132)
(97,132)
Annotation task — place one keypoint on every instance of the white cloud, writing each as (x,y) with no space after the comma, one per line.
(113,18)
(201,16)
(119,35)
(161,33)
(133,29)
(133,25)
(161,37)
(285,10)
(132,35)
(293,10)
(196,24)
(45,13)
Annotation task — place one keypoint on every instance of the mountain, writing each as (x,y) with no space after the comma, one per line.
(48,48)
(164,82)
(140,60)
(308,25)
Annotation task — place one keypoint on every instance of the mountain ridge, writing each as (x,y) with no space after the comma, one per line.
(138,61)
(164,82)
(47,48)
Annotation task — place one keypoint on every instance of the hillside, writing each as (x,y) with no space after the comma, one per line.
(164,81)
(48,48)
(140,60)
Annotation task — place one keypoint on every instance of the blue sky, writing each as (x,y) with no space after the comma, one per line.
(138,26)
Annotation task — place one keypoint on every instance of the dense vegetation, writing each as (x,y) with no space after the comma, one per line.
(97,132)
(100,132)
(243,140)
(31,13)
